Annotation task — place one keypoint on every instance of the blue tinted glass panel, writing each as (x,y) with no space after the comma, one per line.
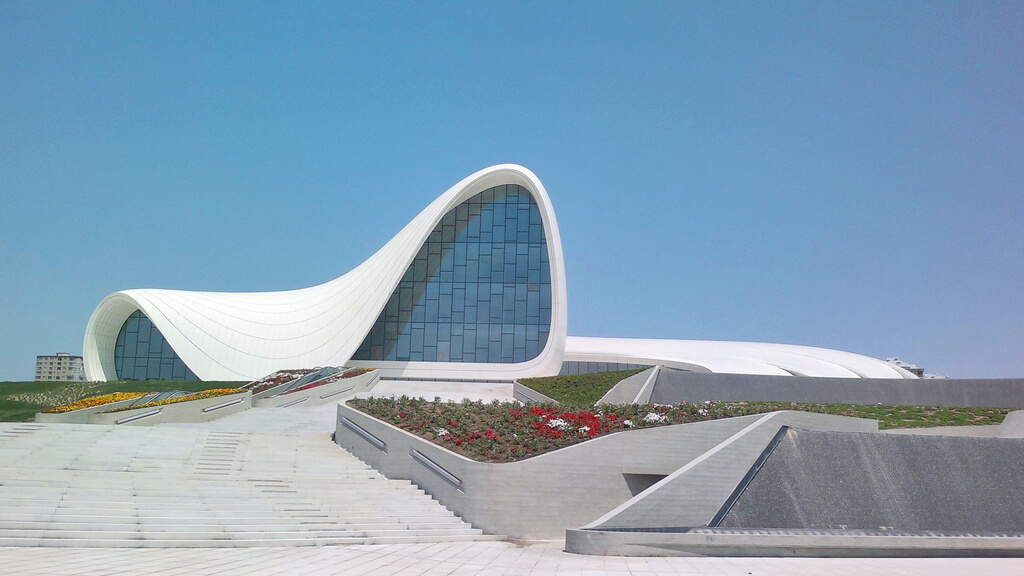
(142,353)
(479,290)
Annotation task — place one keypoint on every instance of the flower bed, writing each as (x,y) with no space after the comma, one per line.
(95,401)
(352,372)
(275,379)
(197,396)
(509,431)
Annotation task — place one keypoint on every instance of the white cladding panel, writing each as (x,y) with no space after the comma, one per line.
(731,357)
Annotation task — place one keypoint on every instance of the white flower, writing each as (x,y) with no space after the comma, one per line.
(583,429)
(441,432)
(627,423)
(558,423)
(653,418)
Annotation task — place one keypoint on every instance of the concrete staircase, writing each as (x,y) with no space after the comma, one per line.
(104,486)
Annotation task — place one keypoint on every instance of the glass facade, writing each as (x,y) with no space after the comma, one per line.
(142,353)
(572,367)
(479,290)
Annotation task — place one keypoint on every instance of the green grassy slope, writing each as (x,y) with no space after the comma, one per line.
(585,389)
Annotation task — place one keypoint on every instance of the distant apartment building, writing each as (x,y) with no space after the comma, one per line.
(62,367)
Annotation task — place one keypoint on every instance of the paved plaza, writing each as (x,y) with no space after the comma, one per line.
(461,559)
(178,451)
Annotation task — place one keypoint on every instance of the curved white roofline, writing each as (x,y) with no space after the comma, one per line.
(246,335)
(243,335)
(731,357)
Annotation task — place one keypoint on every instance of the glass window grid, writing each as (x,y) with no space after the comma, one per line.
(570,368)
(479,289)
(142,353)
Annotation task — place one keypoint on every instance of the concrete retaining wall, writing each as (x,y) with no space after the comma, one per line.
(827,493)
(636,389)
(1012,426)
(676,386)
(818,480)
(540,497)
(694,493)
(190,411)
(325,394)
(712,542)
(526,394)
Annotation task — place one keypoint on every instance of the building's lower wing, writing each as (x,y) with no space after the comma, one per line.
(731,357)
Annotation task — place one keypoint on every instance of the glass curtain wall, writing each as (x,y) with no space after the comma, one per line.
(142,353)
(479,289)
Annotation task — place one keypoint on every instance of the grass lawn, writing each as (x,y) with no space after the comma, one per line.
(20,401)
(583,389)
(890,416)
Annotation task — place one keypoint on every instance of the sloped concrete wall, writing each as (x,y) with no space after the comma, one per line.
(541,497)
(80,416)
(677,386)
(524,393)
(202,410)
(829,480)
(626,391)
(694,493)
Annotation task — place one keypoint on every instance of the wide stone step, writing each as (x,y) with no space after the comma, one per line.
(172,508)
(216,532)
(74,485)
(239,543)
(251,525)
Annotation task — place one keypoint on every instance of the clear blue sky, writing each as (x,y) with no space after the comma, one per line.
(847,175)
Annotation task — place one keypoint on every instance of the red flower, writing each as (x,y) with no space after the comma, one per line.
(489,433)
(453,424)
(458,440)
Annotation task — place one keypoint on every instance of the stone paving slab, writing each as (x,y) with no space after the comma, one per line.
(473,558)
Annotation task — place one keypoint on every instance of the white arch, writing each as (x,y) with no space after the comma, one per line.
(243,335)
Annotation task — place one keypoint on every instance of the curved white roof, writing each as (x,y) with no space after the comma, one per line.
(243,335)
(246,335)
(731,357)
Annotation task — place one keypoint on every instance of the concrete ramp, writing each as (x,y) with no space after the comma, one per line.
(842,480)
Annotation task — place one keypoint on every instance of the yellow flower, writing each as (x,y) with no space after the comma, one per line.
(95,401)
(213,392)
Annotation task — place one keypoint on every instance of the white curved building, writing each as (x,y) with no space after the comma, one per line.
(472,289)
